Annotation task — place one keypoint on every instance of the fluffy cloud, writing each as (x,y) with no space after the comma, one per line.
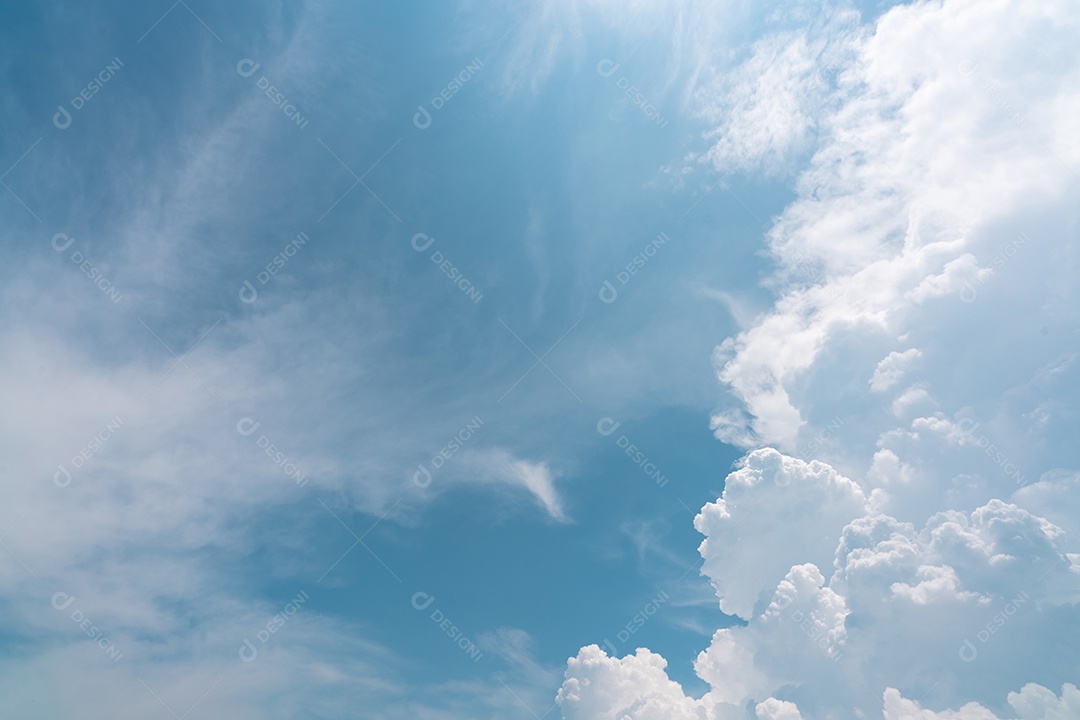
(951,604)
(773,709)
(751,541)
(893,368)
(918,203)
(921,340)
(635,687)
(1033,702)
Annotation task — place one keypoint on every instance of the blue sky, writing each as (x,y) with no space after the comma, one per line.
(746,239)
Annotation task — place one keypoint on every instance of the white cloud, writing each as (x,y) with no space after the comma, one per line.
(952,603)
(914,303)
(893,368)
(750,539)
(500,467)
(636,687)
(898,708)
(920,179)
(935,583)
(766,111)
(1033,702)
(773,709)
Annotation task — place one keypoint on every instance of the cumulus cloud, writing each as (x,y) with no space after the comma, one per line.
(635,687)
(905,218)
(949,604)
(890,370)
(901,539)
(773,709)
(751,541)
(1033,702)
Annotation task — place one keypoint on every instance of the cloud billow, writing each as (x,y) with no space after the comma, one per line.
(901,538)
